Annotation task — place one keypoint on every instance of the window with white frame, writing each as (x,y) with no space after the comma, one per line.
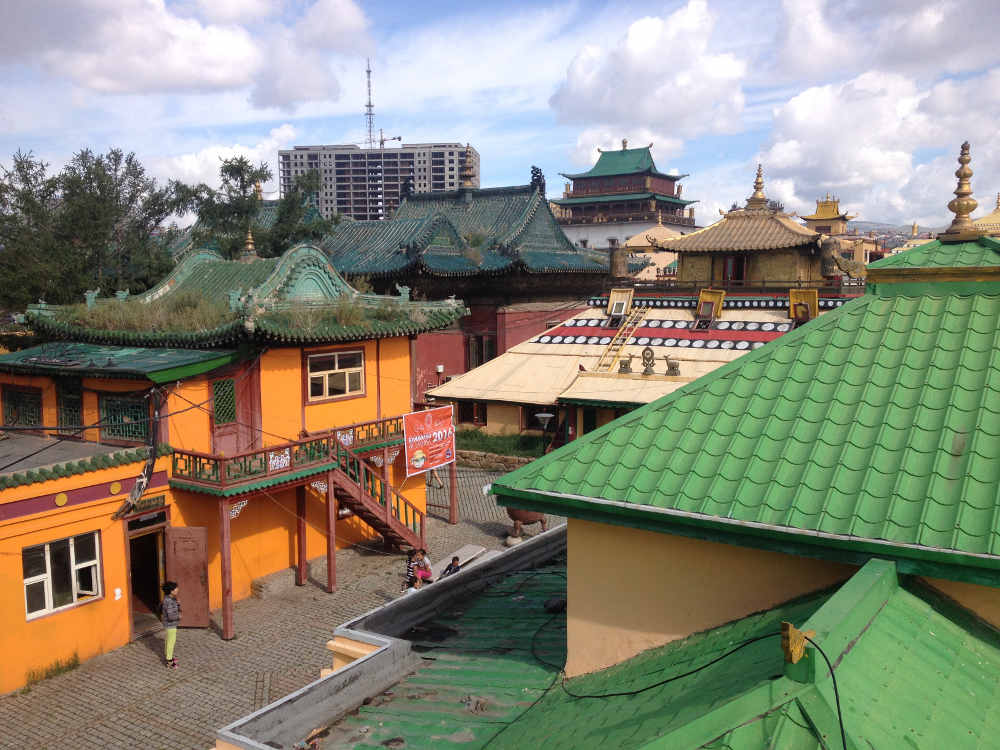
(61,573)
(335,374)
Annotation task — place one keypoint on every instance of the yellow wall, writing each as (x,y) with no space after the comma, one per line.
(630,590)
(87,628)
(502,419)
(983,600)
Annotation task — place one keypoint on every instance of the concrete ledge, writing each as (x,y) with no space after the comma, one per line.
(324,701)
(490,461)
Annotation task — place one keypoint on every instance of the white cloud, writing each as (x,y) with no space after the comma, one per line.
(661,75)
(333,24)
(590,140)
(203,165)
(236,11)
(863,139)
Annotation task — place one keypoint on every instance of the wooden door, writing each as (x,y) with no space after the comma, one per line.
(236,413)
(187,564)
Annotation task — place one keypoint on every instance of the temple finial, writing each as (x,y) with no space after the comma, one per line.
(998,200)
(963,204)
(258,191)
(466,169)
(758,199)
(249,252)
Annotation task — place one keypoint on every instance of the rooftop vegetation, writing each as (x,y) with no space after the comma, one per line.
(179,311)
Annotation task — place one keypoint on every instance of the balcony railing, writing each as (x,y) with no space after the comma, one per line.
(668,219)
(285,458)
(669,283)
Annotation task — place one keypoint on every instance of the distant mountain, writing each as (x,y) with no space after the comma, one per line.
(863,227)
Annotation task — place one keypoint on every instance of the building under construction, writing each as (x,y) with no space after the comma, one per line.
(367,183)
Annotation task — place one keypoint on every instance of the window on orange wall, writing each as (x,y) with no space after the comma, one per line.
(336,374)
(61,573)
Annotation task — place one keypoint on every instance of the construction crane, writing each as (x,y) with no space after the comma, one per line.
(382,139)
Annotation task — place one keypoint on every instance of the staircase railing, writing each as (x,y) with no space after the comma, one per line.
(381,499)
(614,348)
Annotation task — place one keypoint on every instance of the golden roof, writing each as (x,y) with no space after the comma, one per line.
(652,237)
(828,210)
(991,222)
(754,227)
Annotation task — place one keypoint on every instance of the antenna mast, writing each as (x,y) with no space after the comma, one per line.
(369,107)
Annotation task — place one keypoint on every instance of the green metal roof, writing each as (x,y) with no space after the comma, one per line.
(623,197)
(873,429)
(980,253)
(623,161)
(912,670)
(157,365)
(460,233)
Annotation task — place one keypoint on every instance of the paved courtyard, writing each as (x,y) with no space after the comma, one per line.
(128,699)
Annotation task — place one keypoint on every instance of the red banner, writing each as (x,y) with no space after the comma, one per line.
(429,437)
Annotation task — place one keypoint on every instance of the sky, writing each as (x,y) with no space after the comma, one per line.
(868,100)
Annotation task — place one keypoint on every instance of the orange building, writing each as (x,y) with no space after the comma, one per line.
(239,418)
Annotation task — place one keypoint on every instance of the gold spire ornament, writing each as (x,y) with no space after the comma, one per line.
(258,191)
(249,246)
(466,168)
(758,199)
(963,204)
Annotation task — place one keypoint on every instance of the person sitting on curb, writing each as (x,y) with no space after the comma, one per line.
(453,567)
(422,565)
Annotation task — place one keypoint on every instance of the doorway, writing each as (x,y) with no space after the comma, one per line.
(147,575)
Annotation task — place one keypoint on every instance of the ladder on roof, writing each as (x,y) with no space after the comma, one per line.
(613,352)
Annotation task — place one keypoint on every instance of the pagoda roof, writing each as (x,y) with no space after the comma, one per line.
(746,229)
(828,210)
(990,223)
(622,197)
(871,430)
(622,162)
(463,232)
(209,302)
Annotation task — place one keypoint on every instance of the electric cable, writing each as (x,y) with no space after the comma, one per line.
(836,693)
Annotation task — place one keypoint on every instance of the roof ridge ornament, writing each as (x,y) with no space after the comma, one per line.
(963,204)
(249,249)
(758,199)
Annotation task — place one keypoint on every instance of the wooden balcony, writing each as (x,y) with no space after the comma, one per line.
(612,218)
(316,451)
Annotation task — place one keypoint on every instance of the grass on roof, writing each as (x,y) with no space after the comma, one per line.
(178,311)
(346,311)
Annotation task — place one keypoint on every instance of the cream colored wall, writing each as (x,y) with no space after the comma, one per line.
(693,267)
(502,419)
(983,600)
(630,590)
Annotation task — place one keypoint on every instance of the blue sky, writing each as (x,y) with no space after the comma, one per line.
(868,100)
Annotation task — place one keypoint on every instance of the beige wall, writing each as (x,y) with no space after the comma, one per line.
(693,267)
(983,600)
(502,419)
(631,590)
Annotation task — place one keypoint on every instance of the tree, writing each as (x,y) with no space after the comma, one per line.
(32,264)
(225,215)
(295,219)
(109,212)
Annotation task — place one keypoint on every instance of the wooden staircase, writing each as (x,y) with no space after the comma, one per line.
(613,352)
(376,502)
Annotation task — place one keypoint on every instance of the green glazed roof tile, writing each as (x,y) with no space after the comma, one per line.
(876,423)
(621,162)
(979,253)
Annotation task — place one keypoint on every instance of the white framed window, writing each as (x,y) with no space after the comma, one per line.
(336,374)
(62,573)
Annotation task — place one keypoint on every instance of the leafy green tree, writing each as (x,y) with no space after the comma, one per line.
(225,215)
(109,212)
(296,220)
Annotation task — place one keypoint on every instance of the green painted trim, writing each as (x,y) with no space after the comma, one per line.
(82,466)
(599,403)
(245,489)
(931,288)
(195,368)
(934,563)
(376,446)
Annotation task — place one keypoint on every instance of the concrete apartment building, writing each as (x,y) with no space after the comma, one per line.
(366,183)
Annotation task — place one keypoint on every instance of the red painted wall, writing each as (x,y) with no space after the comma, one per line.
(449,348)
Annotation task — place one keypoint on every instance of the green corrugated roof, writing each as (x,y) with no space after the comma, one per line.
(875,428)
(157,365)
(980,253)
(623,161)
(913,671)
(623,197)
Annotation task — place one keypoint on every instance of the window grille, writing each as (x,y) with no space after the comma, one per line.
(22,408)
(69,401)
(124,418)
(224,401)
(61,573)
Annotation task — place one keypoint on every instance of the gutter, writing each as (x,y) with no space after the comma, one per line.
(990,564)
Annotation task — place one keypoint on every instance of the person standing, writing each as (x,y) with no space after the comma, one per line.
(170,613)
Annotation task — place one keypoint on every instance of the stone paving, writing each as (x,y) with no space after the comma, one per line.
(128,699)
